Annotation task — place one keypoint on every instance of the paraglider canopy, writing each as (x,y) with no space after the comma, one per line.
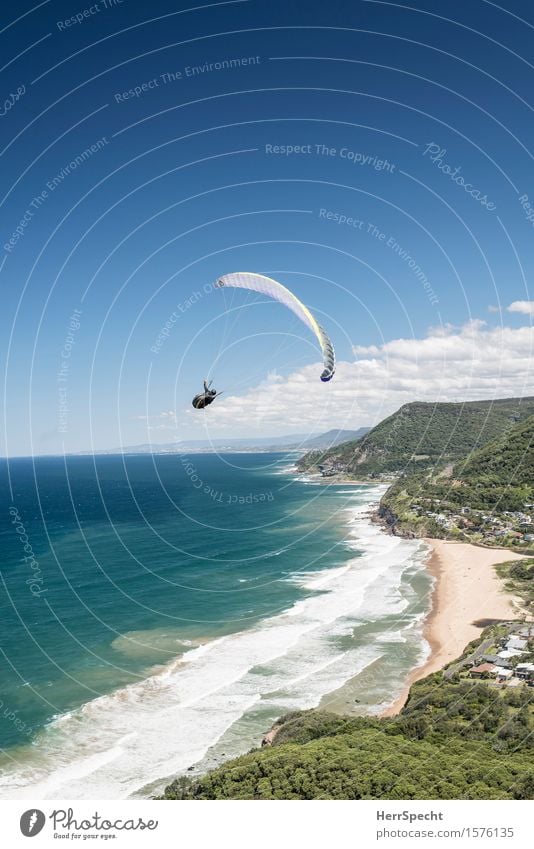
(267,286)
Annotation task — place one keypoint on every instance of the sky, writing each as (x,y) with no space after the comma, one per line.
(374,157)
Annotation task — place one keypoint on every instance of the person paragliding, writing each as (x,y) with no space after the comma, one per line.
(262,285)
(204,399)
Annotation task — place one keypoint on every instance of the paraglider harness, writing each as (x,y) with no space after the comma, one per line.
(204,399)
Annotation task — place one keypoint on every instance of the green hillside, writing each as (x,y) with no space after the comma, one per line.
(505,461)
(420,435)
(496,479)
(454,739)
(500,476)
(366,764)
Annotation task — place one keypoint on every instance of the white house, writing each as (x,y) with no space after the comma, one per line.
(516,643)
(504,674)
(506,654)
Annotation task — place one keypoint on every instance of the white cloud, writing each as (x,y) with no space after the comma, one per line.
(166,414)
(525,307)
(449,364)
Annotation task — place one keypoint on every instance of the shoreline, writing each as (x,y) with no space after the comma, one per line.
(467,591)
(199,745)
(337,481)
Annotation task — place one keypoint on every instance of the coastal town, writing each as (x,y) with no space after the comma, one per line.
(505,660)
(506,528)
(509,528)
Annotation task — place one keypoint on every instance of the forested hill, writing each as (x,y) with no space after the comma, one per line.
(423,434)
(505,461)
(498,478)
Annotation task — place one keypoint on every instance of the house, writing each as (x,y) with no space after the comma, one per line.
(483,670)
(516,643)
(525,671)
(529,537)
(504,674)
(442,520)
(499,661)
(507,654)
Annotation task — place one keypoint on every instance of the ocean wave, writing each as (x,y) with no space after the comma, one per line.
(352,491)
(154,642)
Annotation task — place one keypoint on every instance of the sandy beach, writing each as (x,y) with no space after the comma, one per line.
(337,481)
(467,592)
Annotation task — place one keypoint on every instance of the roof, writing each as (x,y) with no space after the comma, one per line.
(484,667)
(516,643)
(505,673)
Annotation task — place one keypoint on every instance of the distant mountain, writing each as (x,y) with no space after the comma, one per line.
(420,435)
(293,441)
(334,437)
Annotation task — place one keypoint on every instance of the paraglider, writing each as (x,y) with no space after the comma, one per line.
(267,286)
(204,399)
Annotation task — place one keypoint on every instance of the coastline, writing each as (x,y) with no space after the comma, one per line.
(334,480)
(467,591)
(315,477)
(245,680)
(122,757)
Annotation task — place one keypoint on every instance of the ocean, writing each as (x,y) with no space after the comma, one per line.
(158,613)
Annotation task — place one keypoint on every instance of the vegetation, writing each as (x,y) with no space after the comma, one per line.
(501,473)
(470,710)
(366,766)
(519,576)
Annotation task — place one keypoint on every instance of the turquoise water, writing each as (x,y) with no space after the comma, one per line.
(170,607)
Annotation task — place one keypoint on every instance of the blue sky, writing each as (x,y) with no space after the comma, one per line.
(374,158)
